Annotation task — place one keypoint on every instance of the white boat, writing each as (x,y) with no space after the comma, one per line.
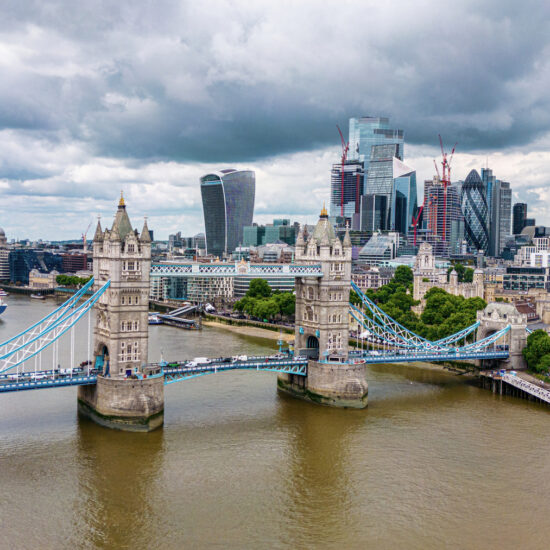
(3,292)
(154,319)
(38,296)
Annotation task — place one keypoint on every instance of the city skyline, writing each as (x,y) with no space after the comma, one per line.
(101,103)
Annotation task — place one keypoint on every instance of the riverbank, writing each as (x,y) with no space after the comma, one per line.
(250,331)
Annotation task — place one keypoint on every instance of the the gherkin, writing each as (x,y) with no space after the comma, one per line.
(476,212)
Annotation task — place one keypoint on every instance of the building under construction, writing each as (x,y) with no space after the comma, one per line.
(444,223)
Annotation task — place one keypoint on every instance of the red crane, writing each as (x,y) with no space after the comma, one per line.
(445,180)
(345,149)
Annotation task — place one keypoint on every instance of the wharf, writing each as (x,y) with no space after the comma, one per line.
(520,385)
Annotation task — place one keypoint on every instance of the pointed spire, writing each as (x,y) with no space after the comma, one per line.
(98,236)
(324,213)
(325,240)
(145,235)
(121,225)
(347,238)
(300,241)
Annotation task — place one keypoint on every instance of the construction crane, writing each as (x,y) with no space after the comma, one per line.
(445,180)
(84,237)
(345,149)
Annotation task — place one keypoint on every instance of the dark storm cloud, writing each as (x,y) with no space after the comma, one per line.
(238,81)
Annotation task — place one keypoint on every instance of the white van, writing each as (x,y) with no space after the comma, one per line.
(239,358)
(202,360)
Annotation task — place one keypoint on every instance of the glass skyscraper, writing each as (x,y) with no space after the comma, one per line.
(499,206)
(228,205)
(475,211)
(364,132)
(391,178)
(520,215)
(451,225)
(354,178)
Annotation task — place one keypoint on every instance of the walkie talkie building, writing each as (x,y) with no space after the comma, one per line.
(228,205)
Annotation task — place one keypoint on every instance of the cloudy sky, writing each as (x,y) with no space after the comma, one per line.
(146,96)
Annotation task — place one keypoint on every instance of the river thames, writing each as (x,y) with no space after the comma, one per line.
(434,462)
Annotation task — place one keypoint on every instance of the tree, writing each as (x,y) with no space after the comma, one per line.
(403,276)
(259,288)
(544,364)
(538,346)
(266,309)
(286,302)
(468,275)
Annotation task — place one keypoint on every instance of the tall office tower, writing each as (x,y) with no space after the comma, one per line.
(228,205)
(448,241)
(364,132)
(476,215)
(499,197)
(501,216)
(404,198)
(489,181)
(391,178)
(354,183)
(520,215)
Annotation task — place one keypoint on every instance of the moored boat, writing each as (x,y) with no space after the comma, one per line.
(154,319)
(38,296)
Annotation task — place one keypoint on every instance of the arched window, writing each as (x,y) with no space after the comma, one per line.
(310,293)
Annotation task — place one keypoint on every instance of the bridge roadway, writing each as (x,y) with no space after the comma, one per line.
(173,372)
(404,356)
(185,370)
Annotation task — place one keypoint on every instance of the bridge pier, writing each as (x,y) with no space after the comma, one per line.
(130,405)
(333,384)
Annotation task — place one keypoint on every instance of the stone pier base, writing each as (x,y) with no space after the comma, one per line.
(332,384)
(130,405)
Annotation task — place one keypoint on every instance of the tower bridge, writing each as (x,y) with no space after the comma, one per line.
(118,387)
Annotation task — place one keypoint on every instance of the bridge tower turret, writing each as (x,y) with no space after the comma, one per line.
(128,394)
(322,322)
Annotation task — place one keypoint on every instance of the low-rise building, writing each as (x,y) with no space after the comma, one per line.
(373,277)
(427,275)
(381,247)
(38,280)
(526,277)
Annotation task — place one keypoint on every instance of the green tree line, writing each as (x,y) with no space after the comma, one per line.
(71,280)
(537,352)
(444,314)
(262,302)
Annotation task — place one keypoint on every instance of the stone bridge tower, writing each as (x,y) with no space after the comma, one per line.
(128,394)
(497,316)
(322,322)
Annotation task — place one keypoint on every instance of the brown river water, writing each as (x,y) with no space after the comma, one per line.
(434,462)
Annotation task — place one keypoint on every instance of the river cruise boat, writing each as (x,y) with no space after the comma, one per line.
(154,319)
